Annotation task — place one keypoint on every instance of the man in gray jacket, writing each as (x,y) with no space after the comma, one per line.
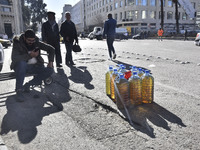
(26,58)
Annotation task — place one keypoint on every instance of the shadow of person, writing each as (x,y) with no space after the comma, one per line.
(26,116)
(81,75)
(58,92)
(154,113)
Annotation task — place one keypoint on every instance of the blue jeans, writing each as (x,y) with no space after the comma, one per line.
(68,57)
(40,73)
(110,40)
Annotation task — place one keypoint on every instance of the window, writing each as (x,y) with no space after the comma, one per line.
(144,2)
(130,15)
(160,15)
(115,16)
(5,2)
(120,15)
(106,8)
(130,2)
(163,3)
(153,2)
(184,16)
(121,3)
(111,7)
(169,15)
(144,14)
(116,5)
(6,9)
(136,14)
(136,2)
(152,14)
(170,4)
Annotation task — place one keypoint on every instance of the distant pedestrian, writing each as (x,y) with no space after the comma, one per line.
(109,31)
(185,35)
(160,34)
(50,35)
(69,34)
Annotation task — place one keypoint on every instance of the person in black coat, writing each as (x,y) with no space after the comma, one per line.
(50,35)
(69,34)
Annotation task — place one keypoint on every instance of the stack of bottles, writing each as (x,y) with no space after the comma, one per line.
(129,87)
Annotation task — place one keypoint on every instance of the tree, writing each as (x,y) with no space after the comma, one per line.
(33,13)
(176,15)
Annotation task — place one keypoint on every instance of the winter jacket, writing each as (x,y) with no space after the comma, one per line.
(50,34)
(68,29)
(109,27)
(20,51)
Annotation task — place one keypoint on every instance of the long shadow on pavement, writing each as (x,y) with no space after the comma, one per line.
(154,113)
(24,117)
(81,75)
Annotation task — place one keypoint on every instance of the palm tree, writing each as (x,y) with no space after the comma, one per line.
(176,15)
(162,14)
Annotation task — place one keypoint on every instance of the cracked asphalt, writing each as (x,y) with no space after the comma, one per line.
(75,113)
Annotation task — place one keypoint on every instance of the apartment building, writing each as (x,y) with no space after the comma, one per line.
(11,21)
(140,15)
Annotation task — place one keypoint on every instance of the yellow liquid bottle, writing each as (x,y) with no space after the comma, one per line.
(147,87)
(122,91)
(135,86)
(108,77)
(113,77)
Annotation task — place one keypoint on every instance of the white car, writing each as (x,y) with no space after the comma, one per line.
(197,40)
(1,57)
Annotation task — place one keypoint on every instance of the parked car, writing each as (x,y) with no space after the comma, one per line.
(1,56)
(197,39)
(91,36)
(5,43)
(137,36)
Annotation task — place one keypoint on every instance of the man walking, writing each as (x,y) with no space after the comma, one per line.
(69,34)
(50,35)
(26,58)
(109,31)
(160,34)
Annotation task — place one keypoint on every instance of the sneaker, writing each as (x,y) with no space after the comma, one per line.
(114,56)
(26,87)
(20,96)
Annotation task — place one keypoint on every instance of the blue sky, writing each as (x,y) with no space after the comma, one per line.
(57,5)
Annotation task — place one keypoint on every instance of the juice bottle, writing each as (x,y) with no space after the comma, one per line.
(140,72)
(135,85)
(123,92)
(108,77)
(113,77)
(147,87)
(122,70)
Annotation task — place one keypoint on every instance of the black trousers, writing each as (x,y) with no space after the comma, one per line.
(58,56)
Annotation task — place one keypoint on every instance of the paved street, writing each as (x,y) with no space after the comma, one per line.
(90,120)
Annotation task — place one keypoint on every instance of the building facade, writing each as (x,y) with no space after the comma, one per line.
(140,15)
(11,21)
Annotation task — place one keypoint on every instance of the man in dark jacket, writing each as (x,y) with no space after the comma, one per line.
(50,35)
(109,31)
(26,58)
(69,34)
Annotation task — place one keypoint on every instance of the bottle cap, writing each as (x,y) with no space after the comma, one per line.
(135,73)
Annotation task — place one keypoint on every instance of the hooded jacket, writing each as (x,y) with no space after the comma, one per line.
(20,51)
